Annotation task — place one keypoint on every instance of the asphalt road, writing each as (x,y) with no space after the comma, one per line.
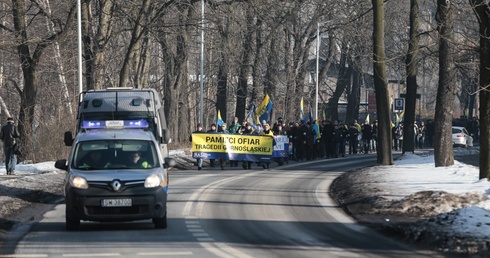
(472,159)
(282,212)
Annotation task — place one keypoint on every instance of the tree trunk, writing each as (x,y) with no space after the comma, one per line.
(291,108)
(354,97)
(241,94)
(175,49)
(132,59)
(482,11)
(383,147)
(94,45)
(143,70)
(57,52)
(221,95)
(344,79)
(411,67)
(270,81)
(446,92)
(221,103)
(29,64)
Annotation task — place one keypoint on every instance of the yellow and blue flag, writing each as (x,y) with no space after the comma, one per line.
(263,111)
(220,120)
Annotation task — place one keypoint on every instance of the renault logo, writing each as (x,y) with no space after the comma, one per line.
(116,185)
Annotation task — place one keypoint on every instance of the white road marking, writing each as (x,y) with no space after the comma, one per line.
(200,235)
(165,254)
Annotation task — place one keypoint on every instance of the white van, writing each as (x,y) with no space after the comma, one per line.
(126,104)
(116,172)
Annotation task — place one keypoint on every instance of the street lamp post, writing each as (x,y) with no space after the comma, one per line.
(79,16)
(317,67)
(201,81)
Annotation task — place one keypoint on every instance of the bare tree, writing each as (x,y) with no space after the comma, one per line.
(443,145)
(384,151)
(175,45)
(344,80)
(411,63)
(132,58)
(30,54)
(245,63)
(482,10)
(96,33)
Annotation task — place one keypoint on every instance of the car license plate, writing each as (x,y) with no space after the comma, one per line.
(116,203)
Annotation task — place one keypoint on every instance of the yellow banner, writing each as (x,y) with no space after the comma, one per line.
(232,143)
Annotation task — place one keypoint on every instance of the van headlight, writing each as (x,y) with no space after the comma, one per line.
(153,181)
(78,182)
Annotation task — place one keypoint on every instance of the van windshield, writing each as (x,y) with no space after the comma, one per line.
(115,154)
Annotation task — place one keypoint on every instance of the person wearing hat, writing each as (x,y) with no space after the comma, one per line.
(222,129)
(8,134)
(276,124)
(235,126)
(266,132)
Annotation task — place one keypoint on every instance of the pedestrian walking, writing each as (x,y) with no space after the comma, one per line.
(8,135)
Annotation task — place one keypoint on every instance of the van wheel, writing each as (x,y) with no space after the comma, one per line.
(160,223)
(71,223)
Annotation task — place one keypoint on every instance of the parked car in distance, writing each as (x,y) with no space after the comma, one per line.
(461,137)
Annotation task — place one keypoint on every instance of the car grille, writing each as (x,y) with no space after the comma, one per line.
(134,210)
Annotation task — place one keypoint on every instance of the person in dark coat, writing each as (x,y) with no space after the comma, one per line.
(367,135)
(297,142)
(212,130)
(328,139)
(309,140)
(8,135)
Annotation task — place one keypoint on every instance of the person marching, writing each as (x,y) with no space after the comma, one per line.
(248,131)
(266,132)
(223,129)
(8,134)
(212,130)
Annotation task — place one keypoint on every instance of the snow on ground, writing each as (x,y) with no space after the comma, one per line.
(411,174)
(465,211)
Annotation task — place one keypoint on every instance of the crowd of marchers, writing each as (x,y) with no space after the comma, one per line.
(325,139)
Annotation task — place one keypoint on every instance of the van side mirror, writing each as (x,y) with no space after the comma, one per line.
(68,139)
(61,164)
(170,162)
(165,136)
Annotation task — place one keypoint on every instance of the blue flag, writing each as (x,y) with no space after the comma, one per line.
(250,117)
(250,113)
(311,115)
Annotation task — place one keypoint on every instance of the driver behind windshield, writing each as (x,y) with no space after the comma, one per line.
(93,160)
(137,162)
